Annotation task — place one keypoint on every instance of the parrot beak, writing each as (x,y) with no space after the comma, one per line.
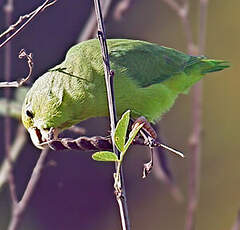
(40,138)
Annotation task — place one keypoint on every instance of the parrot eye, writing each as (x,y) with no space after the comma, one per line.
(29,113)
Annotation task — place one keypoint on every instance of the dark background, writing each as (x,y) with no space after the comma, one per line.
(77,192)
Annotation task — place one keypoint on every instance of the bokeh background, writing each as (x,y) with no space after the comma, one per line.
(76,192)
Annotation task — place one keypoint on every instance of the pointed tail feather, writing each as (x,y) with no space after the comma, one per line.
(211,65)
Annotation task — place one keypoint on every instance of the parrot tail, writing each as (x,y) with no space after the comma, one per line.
(211,65)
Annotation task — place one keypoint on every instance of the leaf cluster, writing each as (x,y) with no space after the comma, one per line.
(120,136)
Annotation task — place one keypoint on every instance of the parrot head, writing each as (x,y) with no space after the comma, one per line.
(42,113)
(37,126)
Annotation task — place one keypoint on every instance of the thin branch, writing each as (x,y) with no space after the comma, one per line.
(17,84)
(183,13)
(30,17)
(15,151)
(173,5)
(195,139)
(121,8)
(120,195)
(22,204)
(202,26)
(90,28)
(8,9)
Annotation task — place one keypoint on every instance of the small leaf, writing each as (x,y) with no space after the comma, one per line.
(121,131)
(104,156)
(132,135)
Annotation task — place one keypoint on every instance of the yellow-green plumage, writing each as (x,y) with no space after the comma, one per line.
(147,80)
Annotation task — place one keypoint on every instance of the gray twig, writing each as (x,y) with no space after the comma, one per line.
(15,150)
(109,74)
(30,17)
(8,8)
(20,207)
(121,8)
(183,13)
(195,139)
(90,28)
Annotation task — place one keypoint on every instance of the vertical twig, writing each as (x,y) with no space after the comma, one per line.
(8,9)
(90,28)
(109,74)
(195,139)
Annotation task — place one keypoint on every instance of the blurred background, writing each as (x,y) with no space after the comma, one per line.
(76,192)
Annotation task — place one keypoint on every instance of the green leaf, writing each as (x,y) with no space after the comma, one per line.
(121,131)
(132,135)
(105,156)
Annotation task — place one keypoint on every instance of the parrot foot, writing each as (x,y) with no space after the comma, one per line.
(146,126)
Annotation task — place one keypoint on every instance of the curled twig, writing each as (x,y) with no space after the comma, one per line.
(16,84)
(96,143)
(82,143)
(30,16)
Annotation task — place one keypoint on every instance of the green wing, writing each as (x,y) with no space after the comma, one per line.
(145,62)
(149,63)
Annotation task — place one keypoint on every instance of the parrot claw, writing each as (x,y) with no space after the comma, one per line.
(147,168)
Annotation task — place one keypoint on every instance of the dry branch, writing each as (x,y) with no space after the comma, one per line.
(15,150)
(8,10)
(20,207)
(29,16)
(182,10)
(90,28)
(109,74)
(121,8)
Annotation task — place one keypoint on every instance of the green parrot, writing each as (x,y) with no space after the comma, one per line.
(147,80)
